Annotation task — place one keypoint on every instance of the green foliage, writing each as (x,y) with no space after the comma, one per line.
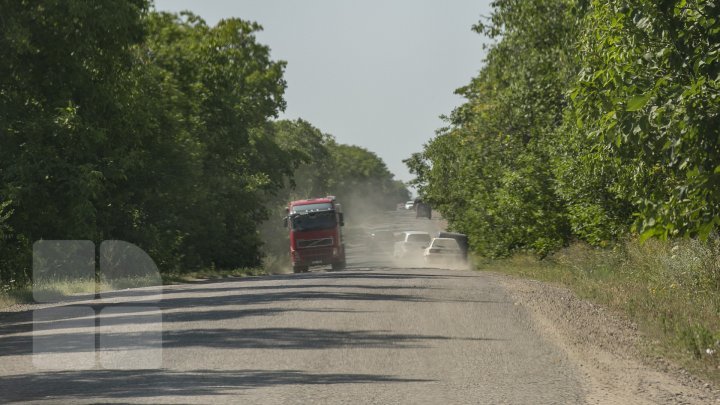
(322,166)
(56,107)
(121,123)
(227,88)
(60,122)
(5,236)
(489,172)
(5,213)
(312,164)
(648,96)
(589,120)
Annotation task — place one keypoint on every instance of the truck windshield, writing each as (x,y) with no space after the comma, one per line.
(297,209)
(312,221)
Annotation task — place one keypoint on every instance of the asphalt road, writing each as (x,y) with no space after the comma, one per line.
(375,333)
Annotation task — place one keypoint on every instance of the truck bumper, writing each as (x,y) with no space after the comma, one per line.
(319,256)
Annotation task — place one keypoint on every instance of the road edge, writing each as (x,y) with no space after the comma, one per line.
(605,346)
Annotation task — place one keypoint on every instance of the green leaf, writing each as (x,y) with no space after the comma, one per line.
(705,229)
(652,233)
(638,102)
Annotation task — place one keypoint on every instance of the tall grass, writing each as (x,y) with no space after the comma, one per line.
(211,273)
(671,289)
(15,296)
(56,290)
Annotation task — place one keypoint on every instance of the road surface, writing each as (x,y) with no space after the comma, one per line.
(372,334)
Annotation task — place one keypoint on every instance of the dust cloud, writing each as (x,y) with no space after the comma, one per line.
(369,235)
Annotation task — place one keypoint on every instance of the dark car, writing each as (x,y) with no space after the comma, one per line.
(422,209)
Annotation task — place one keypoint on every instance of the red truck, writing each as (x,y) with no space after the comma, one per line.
(315,233)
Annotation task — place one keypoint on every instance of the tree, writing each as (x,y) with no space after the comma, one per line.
(120,123)
(589,120)
(63,65)
(490,171)
(646,106)
(232,87)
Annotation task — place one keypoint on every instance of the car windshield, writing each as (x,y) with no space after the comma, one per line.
(312,221)
(445,243)
(297,209)
(418,237)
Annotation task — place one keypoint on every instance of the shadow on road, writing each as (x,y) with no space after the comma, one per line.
(235,294)
(245,338)
(223,300)
(298,338)
(77,385)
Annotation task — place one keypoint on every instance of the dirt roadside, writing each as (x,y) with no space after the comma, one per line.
(605,346)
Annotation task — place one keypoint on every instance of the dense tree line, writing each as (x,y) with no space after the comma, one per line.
(590,120)
(118,122)
(358,177)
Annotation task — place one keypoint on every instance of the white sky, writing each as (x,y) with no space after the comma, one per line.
(373,73)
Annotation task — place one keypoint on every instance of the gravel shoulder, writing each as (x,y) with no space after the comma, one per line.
(606,348)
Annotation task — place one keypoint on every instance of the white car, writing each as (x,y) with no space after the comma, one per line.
(411,243)
(443,250)
(409,205)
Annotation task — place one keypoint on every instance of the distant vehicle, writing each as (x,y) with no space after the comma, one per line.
(443,249)
(422,209)
(462,241)
(315,233)
(381,241)
(411,243)
(409,205)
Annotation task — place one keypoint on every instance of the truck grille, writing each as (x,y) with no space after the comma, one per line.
(311,243)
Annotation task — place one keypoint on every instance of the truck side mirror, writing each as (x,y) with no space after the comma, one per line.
(285,222)
(342,219)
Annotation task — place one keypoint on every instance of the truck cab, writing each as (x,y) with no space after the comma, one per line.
(315,233)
